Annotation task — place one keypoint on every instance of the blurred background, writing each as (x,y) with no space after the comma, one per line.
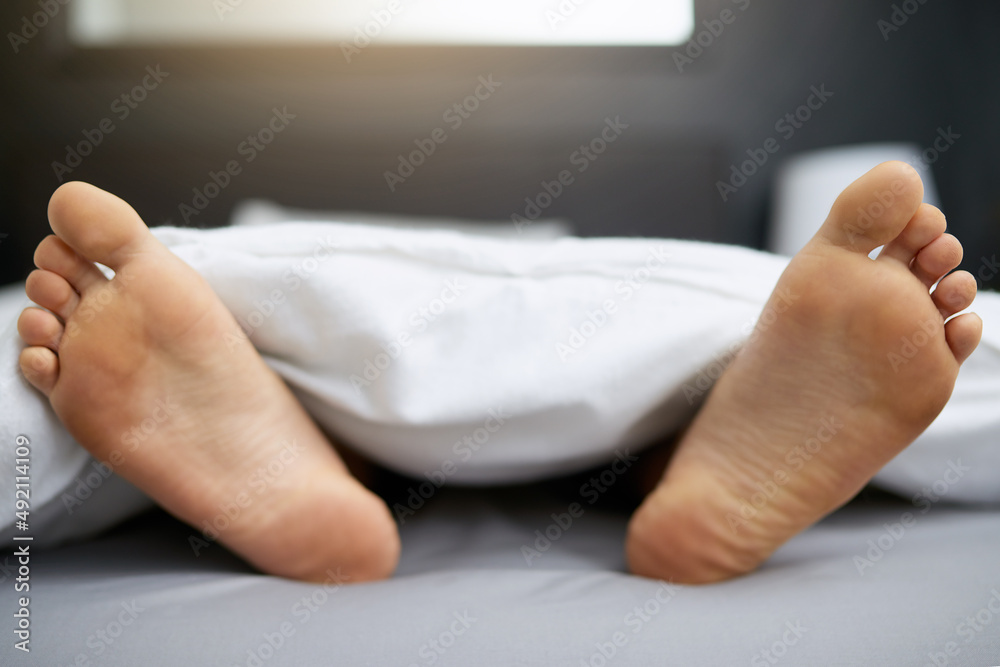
(192,86)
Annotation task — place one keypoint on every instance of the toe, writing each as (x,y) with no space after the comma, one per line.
(40,366)
(874,209)
(54,255)
(51,291)
(937,258)
(927,225)
(963,334)
(40,328)
(954,293)
(96,224)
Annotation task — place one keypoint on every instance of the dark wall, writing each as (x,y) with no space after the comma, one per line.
(353,120)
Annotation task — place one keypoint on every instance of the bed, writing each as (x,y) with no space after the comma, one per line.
(494,576)
(860,588)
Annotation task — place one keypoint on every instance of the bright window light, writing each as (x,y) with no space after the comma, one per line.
(450,22)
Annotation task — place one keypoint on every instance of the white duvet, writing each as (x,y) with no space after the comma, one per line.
(461,358)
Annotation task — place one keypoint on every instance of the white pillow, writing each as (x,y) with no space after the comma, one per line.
(253,212)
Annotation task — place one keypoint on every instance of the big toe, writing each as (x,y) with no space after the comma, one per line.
(875,209)
(96,224)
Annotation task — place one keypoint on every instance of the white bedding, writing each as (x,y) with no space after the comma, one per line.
(460,358)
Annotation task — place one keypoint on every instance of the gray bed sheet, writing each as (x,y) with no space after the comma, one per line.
(926,593)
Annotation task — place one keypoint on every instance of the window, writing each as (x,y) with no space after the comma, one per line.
(104,23)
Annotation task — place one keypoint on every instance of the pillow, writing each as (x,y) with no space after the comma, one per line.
(252,212)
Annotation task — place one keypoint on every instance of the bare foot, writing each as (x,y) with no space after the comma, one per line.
(850,361)
(140,371)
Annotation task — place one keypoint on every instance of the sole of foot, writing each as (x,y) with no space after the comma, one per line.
(143,372)
(851,359)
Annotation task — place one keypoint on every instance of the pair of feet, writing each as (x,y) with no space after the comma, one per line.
(824,393)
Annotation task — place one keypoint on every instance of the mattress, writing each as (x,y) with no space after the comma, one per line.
(485,579)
